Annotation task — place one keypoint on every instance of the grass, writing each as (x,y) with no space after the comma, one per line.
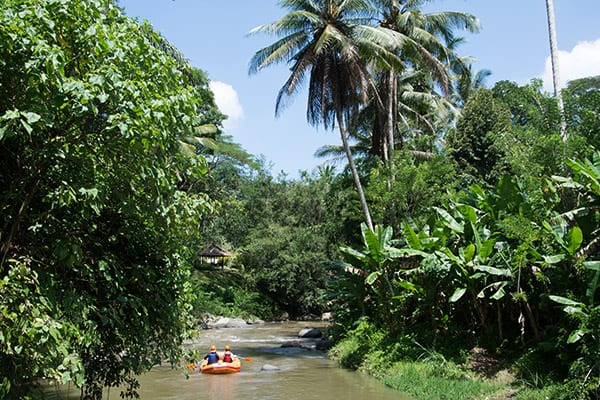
(429,381)
(432,377)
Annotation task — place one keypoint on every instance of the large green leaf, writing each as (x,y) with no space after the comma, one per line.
(485,250)
(373,243)
(555,259)
(558,231)
(456,260)
(358,255)
(575,238)
(394,253)
(575,336)
(594,283)
(469,213)
(499,290)
(590,172)
(449,221)
(410,286)
(500,293)
(458,293)
(411,237)
(592,265)
(494,270)
(468,252)
(565,301)
(372,278)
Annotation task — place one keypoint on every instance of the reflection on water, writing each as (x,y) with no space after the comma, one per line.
(303,373)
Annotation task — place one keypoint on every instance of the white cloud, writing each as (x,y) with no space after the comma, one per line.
(228,102)
(581,62)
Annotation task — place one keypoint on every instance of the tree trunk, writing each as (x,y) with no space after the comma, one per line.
(359,189)
(532,322)
(499,318)
(6,244)
(390,123)
(555,69)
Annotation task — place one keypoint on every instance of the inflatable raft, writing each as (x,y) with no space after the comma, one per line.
(221,367)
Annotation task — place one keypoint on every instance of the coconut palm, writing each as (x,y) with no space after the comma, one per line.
(329,42)
(427,49)
(468,82)
(555,69)
(334,154)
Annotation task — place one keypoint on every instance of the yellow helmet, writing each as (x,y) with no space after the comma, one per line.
(213,348)
(227,348)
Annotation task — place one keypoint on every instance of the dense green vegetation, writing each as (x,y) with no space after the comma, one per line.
(462,222)
(95,205)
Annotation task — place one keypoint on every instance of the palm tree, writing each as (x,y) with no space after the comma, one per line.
(468,82)
(555,69)
(335,153)
(427,48)
(328,41)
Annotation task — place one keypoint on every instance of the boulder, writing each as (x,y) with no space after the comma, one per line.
(224,322)
(310,333)
(324,345)
(282,317)
(270,368)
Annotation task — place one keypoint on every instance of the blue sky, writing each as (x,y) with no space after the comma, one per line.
(513,44)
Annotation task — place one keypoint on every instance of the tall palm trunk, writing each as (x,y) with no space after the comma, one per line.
(555,69)
(357,184)
(391,112)
(385,92)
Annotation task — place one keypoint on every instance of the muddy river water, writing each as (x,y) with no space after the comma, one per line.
(303,373)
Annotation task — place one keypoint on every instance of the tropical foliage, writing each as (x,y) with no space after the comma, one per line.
(472,224)
(94,201)
(492,263)
(484,242)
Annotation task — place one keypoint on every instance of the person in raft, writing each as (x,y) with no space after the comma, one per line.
(227,355)
(212,357)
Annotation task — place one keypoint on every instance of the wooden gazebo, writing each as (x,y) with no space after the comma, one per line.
(214,255)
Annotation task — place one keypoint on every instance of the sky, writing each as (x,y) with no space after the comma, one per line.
(213,34)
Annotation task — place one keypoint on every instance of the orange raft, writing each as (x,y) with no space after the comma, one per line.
(221,367)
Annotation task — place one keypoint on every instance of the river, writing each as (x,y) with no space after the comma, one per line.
(303,373)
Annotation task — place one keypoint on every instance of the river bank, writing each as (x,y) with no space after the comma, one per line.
(433,377)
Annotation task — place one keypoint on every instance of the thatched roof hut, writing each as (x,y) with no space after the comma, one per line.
(214,255)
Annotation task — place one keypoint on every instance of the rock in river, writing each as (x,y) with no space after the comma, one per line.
(310,333)
(270,368)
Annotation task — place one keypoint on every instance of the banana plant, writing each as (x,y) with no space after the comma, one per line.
(585,181)
(460,247)
(472,258)
(582,310)
(378,263)
(570,240)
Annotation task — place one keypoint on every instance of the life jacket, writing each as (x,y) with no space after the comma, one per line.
(212,357)
(227,357)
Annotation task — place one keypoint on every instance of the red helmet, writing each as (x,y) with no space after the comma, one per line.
(227,348)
